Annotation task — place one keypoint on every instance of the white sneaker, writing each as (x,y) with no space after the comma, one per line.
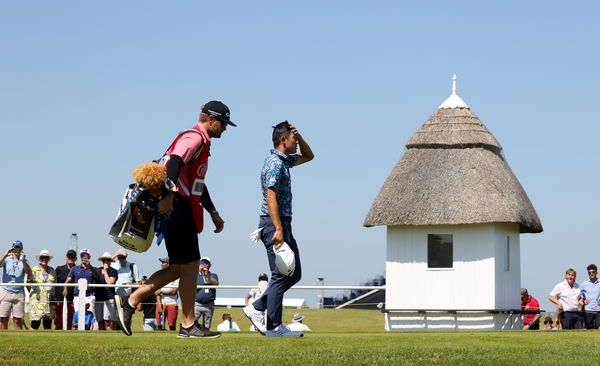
(257,318)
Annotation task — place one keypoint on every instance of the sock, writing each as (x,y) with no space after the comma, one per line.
(188,327)
(129,302)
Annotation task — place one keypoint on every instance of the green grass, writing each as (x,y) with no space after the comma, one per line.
(344,337)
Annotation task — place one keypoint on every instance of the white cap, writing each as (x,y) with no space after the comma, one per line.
(285,260)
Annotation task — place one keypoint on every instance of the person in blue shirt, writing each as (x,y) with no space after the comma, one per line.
(276,224)
(89,317)
(12,298)
(84,270)
(590,291)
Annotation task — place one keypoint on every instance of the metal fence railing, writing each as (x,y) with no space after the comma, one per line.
(83,285)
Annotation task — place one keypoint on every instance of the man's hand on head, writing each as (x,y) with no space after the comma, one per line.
(295,132)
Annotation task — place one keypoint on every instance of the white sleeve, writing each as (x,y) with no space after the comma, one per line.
(556,291)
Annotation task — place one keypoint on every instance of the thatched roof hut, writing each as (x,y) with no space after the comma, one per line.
(453,172)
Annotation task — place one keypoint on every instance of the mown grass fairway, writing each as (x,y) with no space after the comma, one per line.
(343,346)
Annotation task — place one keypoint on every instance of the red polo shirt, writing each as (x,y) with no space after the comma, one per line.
(530,304)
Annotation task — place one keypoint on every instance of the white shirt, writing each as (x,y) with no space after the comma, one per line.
(566,295)
(298,327)
(224,327)
(170,299)
(255,293)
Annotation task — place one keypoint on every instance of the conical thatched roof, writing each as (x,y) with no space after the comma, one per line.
(453,173)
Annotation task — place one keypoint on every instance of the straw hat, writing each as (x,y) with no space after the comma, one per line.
(44,253)
(105,255)
(297,318)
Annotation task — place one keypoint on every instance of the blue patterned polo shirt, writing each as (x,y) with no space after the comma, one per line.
(276,174)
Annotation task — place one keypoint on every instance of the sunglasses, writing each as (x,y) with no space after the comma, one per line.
(119,258)
(590,272)
(44,257)
(204,262)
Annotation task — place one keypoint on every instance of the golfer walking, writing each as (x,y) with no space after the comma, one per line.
(187,162)
(276,224)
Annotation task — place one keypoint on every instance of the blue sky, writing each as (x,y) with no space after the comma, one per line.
(90,90)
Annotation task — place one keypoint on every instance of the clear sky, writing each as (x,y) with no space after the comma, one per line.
(90,90)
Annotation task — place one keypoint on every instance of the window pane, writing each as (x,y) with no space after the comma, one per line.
(507,263)
(439,250)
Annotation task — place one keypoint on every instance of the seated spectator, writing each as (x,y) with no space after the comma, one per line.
(148,306)
(255,293)
(567,296)
(62,272)
(41,309)
(549,324)
(528,302)
(105,296)
(12,298)
(296,325)
(228,325)
(89,317)
(205,298)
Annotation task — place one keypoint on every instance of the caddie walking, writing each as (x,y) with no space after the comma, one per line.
(187,162)
(276,223)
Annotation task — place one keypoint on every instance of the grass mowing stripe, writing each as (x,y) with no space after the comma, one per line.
(395,348)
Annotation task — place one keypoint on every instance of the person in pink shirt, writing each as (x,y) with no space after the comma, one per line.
(186,197)
(528,302)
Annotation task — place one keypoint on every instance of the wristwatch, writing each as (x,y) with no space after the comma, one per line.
(169,185)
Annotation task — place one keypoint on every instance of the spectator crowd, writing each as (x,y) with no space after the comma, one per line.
(577,305)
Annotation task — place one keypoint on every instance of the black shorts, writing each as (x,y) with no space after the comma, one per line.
(182,238)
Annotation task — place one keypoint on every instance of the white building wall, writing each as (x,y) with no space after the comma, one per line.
(470,284)
(508,270)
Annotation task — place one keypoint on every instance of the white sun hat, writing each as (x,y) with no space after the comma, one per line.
(106,255)
(43,253)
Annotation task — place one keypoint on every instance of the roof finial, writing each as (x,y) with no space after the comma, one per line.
(454,84)
(454,101)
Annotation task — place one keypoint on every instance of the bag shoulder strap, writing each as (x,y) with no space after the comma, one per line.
(196,154)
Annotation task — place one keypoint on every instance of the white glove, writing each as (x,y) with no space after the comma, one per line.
(255,235)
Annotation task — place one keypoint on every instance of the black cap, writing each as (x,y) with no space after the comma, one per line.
(218,110)
(71,253)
